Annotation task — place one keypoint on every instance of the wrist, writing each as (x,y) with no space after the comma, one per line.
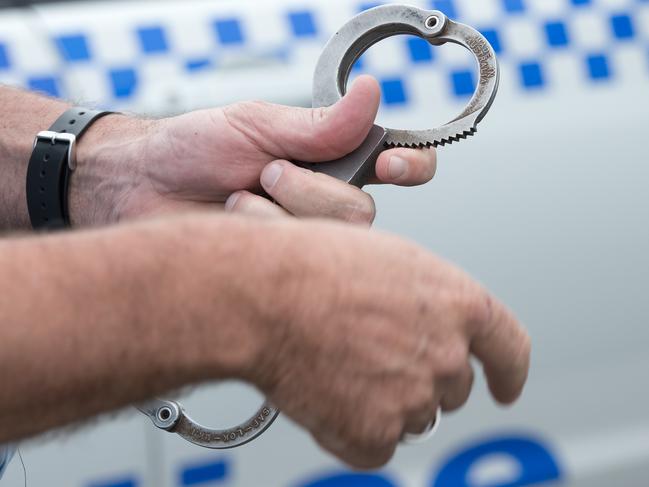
(281,268)
(252,278)
(209,298)
(109,158)
(24,115)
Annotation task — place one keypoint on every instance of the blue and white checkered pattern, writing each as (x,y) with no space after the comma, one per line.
(541,44)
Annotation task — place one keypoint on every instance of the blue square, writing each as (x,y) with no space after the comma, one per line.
(198,64)
(123,81)
(229,31)
(579,3)
(494,39)
(359,65)
(514,6)
(368,5)
(556,34)
(153,40)
(463,83)
(303,24)
(206,473)
(598,68)
(47,85)
(420,50)
(4,57)
(446,6)
(394,91)
(532,75)
(116,483)
(73,48)
(622,26)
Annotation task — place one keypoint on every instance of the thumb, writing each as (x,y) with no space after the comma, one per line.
(311,135)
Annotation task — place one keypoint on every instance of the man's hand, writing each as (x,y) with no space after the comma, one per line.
(358,336)
(218,158)
(374,334)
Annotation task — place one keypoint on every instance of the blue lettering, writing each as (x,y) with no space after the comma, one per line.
(350,480)
(499,462)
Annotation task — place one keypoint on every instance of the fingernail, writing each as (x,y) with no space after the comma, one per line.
(397,167)
(231,202)
(271,175)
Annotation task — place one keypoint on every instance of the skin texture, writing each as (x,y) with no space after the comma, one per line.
(133,168)
(172,304)
(325,318)
(399,343)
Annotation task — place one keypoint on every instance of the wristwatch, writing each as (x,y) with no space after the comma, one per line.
(52,162)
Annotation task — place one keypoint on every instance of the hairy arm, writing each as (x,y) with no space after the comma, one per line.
(106,156)
(23,116)
(128,167)
(93,321)
(333,323)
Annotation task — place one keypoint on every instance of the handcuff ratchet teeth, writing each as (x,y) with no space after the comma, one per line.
(374,25)
(330,80)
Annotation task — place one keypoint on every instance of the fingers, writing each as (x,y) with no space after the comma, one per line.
(253,205)
(458,389)
(362,454)
(307,194)
(503,347)
(310,135)
(419,421)
(406,167)
(367,459)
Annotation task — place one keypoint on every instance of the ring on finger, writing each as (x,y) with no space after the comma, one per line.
(429,432)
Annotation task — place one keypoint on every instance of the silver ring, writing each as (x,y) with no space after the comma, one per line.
(431,429)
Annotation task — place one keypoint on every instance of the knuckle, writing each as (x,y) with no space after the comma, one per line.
(371,460)
(318,116)
(247,118)
(332,136)
(323,133)
(382,457)
(364,212)
(382,436)
(478,309)
(450,404)
(451,361)
(392,434)
(419,398)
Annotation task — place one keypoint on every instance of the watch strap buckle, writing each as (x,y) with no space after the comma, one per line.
(54,137)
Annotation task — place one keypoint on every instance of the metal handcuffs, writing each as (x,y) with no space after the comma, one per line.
(330,81)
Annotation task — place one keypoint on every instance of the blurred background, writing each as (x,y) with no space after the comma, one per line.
(548,206)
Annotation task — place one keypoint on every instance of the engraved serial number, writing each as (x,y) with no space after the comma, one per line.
(243,430)
(480,48)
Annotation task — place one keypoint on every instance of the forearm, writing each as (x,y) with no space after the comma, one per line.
(107,159)
(94,321)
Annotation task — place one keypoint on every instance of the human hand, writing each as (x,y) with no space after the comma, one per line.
(369,334)
(130,168)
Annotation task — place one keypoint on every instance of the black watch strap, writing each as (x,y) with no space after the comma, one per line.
(50,166)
